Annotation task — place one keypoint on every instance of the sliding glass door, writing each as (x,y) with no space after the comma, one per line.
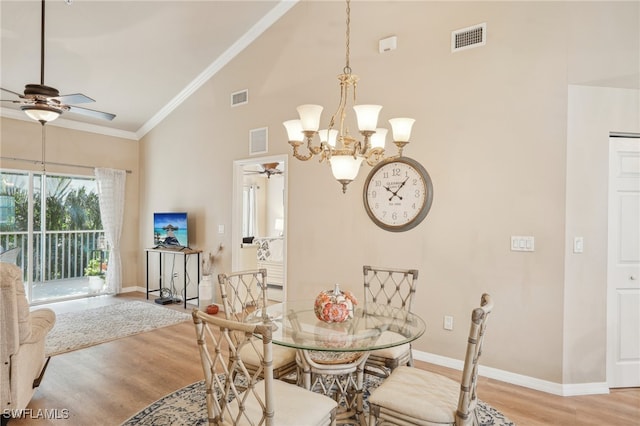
(54,223)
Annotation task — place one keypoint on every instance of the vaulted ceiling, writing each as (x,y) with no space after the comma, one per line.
(137,59)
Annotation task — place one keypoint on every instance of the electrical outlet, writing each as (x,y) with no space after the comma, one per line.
(448,322)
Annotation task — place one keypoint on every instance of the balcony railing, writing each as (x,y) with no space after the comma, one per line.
(66,253)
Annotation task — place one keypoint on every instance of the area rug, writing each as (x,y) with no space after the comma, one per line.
(188,406)
(89,327)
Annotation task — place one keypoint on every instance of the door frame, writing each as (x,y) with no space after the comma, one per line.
(611,301)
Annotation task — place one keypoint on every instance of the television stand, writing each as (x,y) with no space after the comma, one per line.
(186,253)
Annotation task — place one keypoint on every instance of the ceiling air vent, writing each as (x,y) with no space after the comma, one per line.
(258,141)
(240,98)
(470,37)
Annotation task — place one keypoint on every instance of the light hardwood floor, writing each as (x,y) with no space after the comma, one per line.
(107,383)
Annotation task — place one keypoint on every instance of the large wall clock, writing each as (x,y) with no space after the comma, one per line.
(398,194)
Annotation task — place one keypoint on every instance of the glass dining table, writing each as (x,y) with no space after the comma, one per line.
(372,327)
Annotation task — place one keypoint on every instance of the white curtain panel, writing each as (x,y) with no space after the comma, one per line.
(111,184)
(253,211)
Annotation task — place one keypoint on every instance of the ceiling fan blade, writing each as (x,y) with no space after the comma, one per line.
(20,95)
(76,98)
(91,113)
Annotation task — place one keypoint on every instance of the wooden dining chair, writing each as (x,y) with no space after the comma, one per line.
(419,397)
(394,288)
(244,293)
(238,394)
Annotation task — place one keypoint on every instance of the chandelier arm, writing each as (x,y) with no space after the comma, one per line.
(366,146)
(374,156)
(296,151)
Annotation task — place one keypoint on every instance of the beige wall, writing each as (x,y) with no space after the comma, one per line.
(23,139)
(491,130)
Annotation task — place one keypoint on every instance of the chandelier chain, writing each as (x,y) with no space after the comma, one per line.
(347,68)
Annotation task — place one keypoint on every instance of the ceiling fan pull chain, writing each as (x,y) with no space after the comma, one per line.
(44,168)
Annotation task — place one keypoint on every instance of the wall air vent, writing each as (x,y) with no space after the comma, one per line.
(240,98)
(258,141)
(468,38)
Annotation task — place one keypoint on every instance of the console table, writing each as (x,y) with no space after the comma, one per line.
(186,254)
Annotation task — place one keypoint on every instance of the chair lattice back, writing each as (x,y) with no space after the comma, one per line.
(231,388)
(468,398)
(387,286)
(243,293)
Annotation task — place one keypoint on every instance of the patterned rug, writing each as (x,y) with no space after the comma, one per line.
(188,406)
(89,327)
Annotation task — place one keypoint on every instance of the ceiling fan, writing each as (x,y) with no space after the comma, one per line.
(269,169)
(44,103)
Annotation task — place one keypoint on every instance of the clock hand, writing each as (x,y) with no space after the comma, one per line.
(402,184)
(399,187)
(395,194)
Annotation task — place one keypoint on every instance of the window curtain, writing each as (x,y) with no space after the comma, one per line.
(253,211)
(111,184)
(250,211)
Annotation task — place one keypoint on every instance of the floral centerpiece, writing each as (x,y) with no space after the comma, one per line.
(334,305)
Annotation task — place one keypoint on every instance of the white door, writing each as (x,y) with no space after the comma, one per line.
(623,288)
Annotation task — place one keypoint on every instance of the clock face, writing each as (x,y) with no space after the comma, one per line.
(398,194)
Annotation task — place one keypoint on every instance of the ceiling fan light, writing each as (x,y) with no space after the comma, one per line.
(41,113)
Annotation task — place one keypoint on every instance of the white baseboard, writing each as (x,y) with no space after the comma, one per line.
(132,289)
(561,389)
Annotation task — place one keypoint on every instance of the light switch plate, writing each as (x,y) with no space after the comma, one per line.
(578,245)
(522,243)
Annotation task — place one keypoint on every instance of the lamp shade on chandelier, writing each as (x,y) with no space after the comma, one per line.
(343,151)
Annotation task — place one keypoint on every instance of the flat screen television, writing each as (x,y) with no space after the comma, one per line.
(170,230)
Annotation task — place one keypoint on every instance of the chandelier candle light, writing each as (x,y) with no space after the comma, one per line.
(344,152)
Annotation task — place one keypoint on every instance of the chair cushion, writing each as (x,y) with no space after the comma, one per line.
(419,394)
(294,406)
(393,352)
(282,355)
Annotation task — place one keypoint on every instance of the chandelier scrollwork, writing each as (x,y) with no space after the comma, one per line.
(343,151)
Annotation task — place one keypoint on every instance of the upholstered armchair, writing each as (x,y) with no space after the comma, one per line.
(22,336)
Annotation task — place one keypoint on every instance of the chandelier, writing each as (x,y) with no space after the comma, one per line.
(343,151)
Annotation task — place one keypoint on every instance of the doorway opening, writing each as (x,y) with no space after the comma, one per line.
(260,219)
